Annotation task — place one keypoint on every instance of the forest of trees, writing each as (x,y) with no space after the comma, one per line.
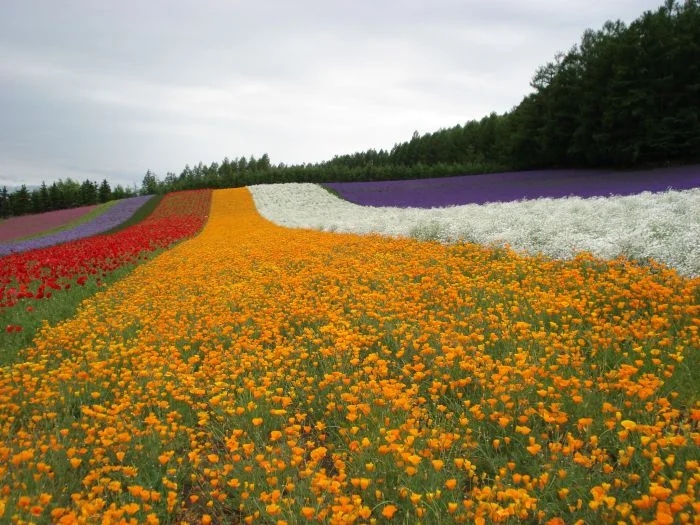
(60,195)
(624,97)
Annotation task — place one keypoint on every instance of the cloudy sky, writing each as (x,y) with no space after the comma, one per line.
(108,89)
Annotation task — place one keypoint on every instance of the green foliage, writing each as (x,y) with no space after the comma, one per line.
(4,203)
(624,97)
(88,193)
(149,186)
(105,192)
(20,202)
(60,195)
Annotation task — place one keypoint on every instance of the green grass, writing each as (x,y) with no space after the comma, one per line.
(32,314)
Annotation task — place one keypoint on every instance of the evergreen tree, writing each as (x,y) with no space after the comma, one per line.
(263,163)
(119,192)
(44,197)
(105,191)
(88,193)
(56,197)
(36,204)
(21,203)
(70,191)
(149,186)
(5,209)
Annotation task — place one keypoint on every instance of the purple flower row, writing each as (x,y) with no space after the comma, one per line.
(26,225)
(114,216)
(514,186)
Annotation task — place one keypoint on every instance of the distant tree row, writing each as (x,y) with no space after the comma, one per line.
(624,97)
(60,195)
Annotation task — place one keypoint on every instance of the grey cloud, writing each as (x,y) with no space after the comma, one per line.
(115,88)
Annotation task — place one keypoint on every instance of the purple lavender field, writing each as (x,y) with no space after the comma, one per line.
(514,186)
(114,216)
(26,225)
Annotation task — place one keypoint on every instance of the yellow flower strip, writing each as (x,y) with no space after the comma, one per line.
(256,373)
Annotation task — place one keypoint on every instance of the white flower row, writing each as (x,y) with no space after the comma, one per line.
(662,226)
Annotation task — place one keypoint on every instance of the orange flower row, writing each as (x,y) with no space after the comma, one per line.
(256,373)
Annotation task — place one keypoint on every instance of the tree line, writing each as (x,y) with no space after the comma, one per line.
(624,97)
(59,195)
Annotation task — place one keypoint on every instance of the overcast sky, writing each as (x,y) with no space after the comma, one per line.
(108,89)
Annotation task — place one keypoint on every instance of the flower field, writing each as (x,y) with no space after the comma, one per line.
(258,374)
(515,185)
(116,213)
(32,277)
(26,225)
(661,226)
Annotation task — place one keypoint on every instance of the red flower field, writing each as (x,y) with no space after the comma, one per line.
(37,274)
